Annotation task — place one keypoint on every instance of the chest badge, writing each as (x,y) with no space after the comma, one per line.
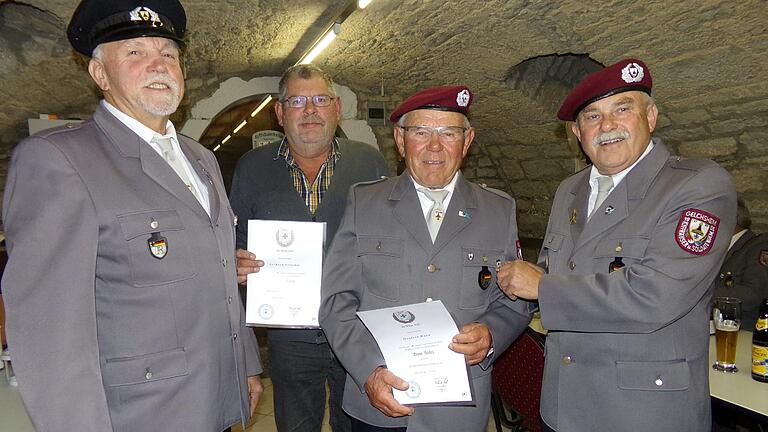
(763,260)
(158,245)
(573,217)
(484,278)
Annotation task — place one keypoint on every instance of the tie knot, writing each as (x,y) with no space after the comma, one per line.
(604,184)
(164,143)
(437,196)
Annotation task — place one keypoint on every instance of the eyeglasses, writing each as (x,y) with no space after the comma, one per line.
(446,134)
(301,101)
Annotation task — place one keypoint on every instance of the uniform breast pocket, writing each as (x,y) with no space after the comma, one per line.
(615,253)
(158,247)
(552,246)
(382,260)
(478,276)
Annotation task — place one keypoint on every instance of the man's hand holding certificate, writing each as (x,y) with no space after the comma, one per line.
(414,340)
(286,290)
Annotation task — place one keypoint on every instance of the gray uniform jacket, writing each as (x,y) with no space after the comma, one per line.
(382,256)
(742,276)
(627,350)
(104,335)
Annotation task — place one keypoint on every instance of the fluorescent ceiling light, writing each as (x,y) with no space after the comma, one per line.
(322,44)
(363,3)
(261,106)
(226,139)
(240,126)
(217,147)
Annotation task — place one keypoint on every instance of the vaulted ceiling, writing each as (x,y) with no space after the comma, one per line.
(708,60)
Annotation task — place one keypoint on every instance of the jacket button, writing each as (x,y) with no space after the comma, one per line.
(148,375)
(229,300)
(431,268)
(572,265)
(234,336)
(154,224)
(567,360)
(224,262)
(658,382)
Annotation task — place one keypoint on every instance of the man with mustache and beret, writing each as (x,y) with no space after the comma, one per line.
(304,177)
(624,275)
(425,235)
(121,289)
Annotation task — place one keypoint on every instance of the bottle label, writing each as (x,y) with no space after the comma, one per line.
(761,324)
(760,360)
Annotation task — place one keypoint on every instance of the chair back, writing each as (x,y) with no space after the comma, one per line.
(517,376)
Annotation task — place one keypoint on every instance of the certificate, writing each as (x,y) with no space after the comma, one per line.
(286,291)
(414,341)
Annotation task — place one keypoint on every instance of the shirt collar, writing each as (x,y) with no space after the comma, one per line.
(618,177)
(137,127)
(449,187)
(736,238)
(284,151)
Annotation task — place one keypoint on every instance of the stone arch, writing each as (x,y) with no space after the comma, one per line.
(547,79)
(235,89)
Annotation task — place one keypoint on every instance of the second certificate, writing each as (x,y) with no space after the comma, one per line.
(286,291)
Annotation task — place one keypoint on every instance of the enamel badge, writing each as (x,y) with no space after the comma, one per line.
(763,258)
(696,231)
(158,246)
(484,278)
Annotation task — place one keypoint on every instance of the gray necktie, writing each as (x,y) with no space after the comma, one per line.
(436,213)
(604,185)
(170,156)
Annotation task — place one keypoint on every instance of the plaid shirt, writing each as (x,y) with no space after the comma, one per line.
(311,193)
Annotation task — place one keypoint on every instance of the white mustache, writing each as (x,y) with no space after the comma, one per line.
(160,78)
(609,136)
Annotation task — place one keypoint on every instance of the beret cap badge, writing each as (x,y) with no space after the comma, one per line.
(632,73)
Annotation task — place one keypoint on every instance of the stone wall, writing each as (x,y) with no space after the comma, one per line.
(729,129)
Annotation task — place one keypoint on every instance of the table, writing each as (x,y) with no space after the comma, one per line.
(739,388)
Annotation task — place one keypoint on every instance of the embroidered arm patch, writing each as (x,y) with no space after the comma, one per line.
(696,231)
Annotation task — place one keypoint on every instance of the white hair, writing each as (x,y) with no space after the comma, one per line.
(98,52)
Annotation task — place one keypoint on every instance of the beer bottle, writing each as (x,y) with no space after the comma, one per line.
(760,345)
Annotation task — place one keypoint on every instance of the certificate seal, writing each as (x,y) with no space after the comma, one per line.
(404,317)
(266,311)
(413,390)
(284,237)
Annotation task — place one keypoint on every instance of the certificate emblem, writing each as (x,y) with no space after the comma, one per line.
(266,311)
(284,237)
(404,317)
(158,246)
(414,390)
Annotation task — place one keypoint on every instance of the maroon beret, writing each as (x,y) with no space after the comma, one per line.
(445,98)
(626,75)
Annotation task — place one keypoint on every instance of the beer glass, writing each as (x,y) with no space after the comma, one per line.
(726,315)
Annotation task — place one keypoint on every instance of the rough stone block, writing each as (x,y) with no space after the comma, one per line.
(709,148)
(692,117)
(748,179)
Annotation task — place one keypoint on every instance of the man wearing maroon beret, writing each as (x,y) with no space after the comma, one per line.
(426,235)
(623,277)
